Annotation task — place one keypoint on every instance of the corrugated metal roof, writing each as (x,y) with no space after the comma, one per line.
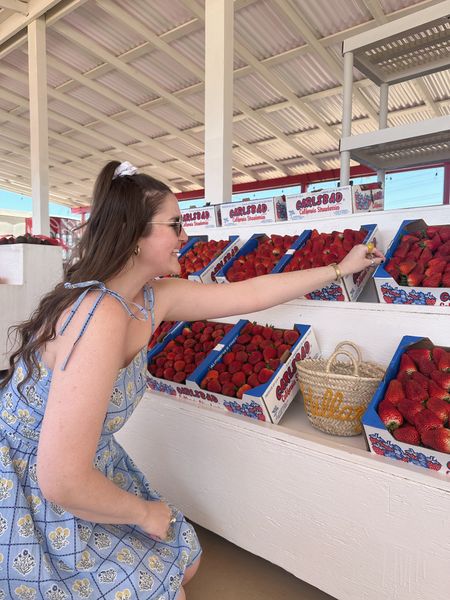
(255,26)
(165,42)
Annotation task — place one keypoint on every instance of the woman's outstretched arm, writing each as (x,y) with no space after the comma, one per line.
(178,299)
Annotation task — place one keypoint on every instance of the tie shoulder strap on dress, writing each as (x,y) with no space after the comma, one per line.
(87,286)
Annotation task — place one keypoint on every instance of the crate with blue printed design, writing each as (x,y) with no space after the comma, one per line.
(417,266)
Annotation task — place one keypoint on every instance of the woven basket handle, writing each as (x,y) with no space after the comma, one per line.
(336,353)
(353,346)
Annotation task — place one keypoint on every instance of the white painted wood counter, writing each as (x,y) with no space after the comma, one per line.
(357,526)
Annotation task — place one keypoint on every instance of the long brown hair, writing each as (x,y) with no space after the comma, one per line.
(121,209)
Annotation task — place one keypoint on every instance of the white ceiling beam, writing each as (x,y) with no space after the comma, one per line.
(336,69)
(89,151)
(18,22)
(164,46)
(15,6)
(122,128)
(108,93)
(143,79)
(244,108)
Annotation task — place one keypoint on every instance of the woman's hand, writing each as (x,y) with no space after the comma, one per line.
(157,519)
(359,259)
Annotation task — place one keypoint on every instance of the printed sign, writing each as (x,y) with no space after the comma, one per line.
(269,210)
(201,217)
(326,203)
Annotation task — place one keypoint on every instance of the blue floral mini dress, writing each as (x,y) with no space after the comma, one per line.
(48,553)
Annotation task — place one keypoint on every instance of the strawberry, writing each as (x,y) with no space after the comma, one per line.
(442,379)
(259,365)
(438,439)
(406,364)
(169,372)
(390,416)
(253,380)
(407,434)
(198,326)
(444,362)
(416,353)
(394,392)
(415,277)
(426,367)
(282,348)
(432,280)
(403,376)
(224,377)
(214,385)
(187,331)
(228,358)
(273,363)
(255,357)
(437,352)
(415,391)
(435,391)
(247,368)
(410,409)
(269,353)
(419,378)
(290,336)
(435,266)
(406,266)
(267,332)
(241,391)
(446,279)
(426,420)
(264,375)
(238,378)
(444,233)
(229,389)
(242,356)
(179,365)
(180,376)
(440,408)
(235,366)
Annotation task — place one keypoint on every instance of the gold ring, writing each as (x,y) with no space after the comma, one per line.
(370,247)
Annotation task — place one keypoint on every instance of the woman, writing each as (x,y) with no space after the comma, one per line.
(77,518)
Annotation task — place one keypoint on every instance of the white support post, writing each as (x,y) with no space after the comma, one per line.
(383,121)
(37,68)
(347,115)
(218,100)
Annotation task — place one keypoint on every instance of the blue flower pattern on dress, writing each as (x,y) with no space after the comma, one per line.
(46,552)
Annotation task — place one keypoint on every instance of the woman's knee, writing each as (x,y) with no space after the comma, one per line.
(191,571)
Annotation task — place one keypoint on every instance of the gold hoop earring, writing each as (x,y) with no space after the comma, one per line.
(137,251)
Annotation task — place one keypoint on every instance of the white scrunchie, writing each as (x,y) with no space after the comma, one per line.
(125,168)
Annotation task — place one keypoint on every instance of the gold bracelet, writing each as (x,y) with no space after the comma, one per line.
(337,271)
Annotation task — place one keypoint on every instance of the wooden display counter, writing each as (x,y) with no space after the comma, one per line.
(357,526)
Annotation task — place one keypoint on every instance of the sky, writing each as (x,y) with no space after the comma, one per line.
(422,187)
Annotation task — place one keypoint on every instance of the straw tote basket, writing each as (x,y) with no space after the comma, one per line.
(337,393)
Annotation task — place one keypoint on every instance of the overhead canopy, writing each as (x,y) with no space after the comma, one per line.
(126,82)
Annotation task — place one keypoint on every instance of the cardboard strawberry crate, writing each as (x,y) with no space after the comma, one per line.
(352,285)
(248,247)
(166,386)
(380,440)
(208,273)
(267,401)
(392,292)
